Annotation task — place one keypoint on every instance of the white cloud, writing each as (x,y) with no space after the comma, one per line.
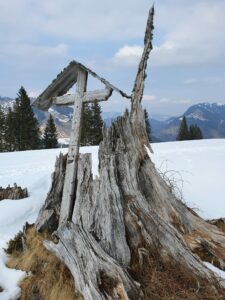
(128,56)
(175,101)
(33,93)
(32,56)
(190,35)
(193,37)
(149,97)
(82,19)
(191,81)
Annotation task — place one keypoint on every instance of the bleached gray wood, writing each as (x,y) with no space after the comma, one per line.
(64,81)
(68,197)
(48,217)
(98,95)
(129,209)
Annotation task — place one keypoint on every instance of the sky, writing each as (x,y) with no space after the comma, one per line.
(38,38)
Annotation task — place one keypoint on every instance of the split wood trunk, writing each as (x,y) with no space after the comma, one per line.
(126,213)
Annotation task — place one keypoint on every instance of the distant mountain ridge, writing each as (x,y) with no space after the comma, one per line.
(210,117)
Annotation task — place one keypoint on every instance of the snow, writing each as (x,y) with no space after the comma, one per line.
(198,167)
(218,272)
(200,163)
(31,169)
(64,141)
(197,114)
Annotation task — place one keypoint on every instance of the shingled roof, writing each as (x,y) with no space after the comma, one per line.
(64,81)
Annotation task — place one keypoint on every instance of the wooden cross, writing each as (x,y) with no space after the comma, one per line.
(55,95)
(81,97)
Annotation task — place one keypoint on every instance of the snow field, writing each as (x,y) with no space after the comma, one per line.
(198,167)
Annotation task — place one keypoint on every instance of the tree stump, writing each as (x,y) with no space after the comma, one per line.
(128,212)
(13,193)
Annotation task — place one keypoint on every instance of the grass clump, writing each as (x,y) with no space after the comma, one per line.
(15,245)
(49,279)
(162,279)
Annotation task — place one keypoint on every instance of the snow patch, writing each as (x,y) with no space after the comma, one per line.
(217,271)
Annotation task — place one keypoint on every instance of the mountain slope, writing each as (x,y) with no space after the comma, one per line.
(209,117)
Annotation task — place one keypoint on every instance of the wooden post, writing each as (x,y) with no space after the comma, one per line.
(69,188)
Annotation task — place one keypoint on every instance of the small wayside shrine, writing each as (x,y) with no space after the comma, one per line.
(116,232)
(55,94)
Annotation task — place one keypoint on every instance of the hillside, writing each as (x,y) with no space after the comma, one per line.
(186,162)
(209,117)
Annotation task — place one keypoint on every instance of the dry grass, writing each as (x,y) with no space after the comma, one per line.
(163,280)
(160,280)
(49,279)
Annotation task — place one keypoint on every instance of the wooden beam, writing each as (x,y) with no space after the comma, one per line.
(65,100)
(69,188)
(99,95)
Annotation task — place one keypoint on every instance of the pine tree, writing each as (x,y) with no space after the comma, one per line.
(28,132)
(10,131)
(86,139)
(183,133)
(195,133)
(96,124)
(50,134)
(15,125)
(2,130)
(148,126)
(92,123)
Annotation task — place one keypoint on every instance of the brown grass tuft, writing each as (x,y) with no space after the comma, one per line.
(49,279)
(165,280)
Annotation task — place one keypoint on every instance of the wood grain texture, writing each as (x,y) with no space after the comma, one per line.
(68,197)
(98,95)
(128,211)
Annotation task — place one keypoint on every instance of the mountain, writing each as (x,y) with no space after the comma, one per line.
(6,102)
(210,117)
(62,116)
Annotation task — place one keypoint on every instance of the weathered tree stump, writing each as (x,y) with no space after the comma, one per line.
(128,211)
(48,217)
(13,193)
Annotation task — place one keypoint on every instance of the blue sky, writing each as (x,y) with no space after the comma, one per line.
(40,37)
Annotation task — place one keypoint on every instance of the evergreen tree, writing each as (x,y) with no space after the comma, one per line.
(86,139)
(2,130)
(147,124)
(50,134)
(195,133)
(27,134)
(10,131)
(183,133)
(96,124)
(15,125)
(92,123)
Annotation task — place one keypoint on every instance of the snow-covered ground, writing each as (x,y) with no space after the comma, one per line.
(201,164)
(199,170)
(31,169)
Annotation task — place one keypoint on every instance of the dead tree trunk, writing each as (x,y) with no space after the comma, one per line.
(128,211)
